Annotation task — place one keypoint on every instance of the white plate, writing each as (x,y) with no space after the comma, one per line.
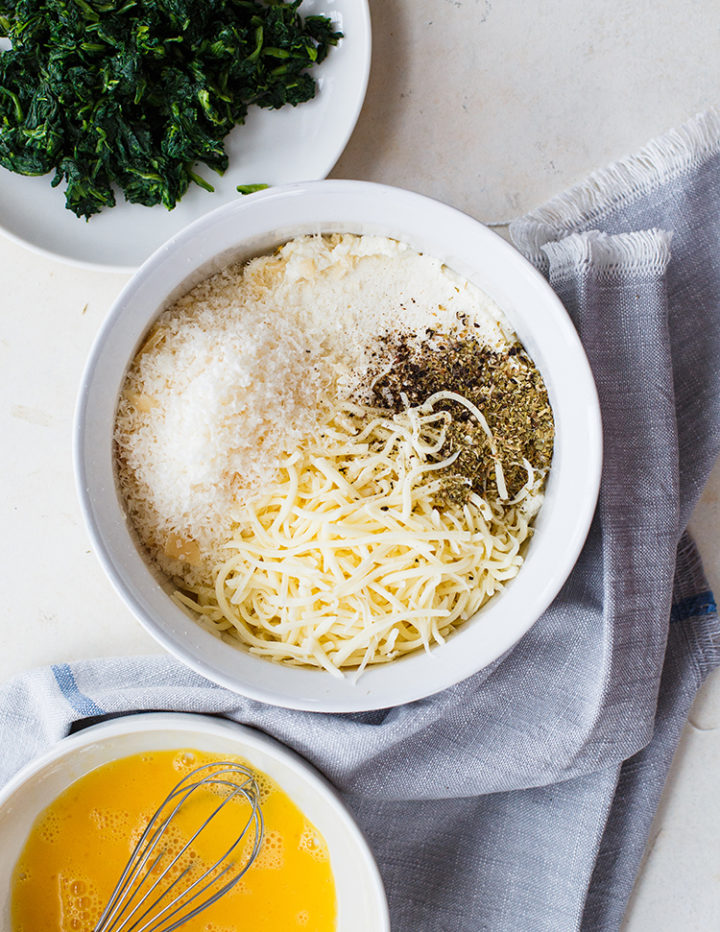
(360,895)
(272,147)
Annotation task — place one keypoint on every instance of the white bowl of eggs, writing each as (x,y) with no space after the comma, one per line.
(338,446)
(69,821)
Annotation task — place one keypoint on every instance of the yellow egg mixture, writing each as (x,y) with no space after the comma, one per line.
(79,845)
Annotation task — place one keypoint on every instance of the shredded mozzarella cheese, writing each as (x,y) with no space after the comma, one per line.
(346,562)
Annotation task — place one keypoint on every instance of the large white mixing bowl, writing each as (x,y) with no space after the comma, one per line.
(255,225)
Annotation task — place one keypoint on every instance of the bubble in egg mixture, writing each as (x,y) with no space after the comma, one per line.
(271,852)
(265,787)
(184,761)
(113,821)
(50,828)
(313,843)
(80,903)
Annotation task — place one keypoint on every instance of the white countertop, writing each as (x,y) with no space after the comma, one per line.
(493,107)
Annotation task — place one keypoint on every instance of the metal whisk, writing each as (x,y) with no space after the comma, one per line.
(147,898)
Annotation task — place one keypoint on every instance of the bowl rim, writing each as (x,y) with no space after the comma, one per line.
(147,722)
(365,695)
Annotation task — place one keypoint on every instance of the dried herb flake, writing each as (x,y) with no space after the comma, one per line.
(503,383)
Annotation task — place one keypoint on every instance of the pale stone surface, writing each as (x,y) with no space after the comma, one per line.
(494,107)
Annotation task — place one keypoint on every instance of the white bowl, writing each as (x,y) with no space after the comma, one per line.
(362,905)
(256,225)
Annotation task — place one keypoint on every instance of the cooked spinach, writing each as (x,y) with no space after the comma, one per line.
(134,93)
(251,188)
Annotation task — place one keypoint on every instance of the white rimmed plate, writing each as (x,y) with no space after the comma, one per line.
(272,147)
(360,895)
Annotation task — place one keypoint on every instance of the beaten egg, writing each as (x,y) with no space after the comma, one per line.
(80,844)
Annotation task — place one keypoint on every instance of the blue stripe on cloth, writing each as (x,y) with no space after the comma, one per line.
(693,606)
(68,687)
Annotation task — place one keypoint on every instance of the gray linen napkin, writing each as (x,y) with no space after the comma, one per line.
(521,799)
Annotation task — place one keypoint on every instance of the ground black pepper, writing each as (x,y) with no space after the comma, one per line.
(504,384)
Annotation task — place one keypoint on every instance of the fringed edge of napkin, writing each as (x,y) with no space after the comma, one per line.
(609,256)
(634,176)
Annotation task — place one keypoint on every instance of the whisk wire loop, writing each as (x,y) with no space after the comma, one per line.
(128,909)
(185,899)
(160,878)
